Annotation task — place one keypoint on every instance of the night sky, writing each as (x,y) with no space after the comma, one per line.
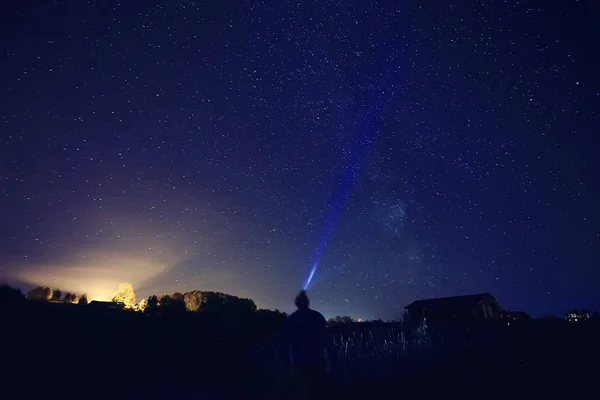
(414,149)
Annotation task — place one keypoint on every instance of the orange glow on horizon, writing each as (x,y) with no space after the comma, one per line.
(98,275)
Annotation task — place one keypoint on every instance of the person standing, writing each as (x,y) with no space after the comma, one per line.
(307,341)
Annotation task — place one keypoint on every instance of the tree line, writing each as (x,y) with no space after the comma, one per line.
(45,293)
(197,301)
(163,304)
(176,303)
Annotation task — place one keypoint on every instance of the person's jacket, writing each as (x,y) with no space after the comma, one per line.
(306,337)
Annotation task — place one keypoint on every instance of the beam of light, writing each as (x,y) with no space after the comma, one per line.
(310,276)
(366,133)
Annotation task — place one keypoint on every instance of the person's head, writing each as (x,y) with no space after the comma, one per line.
(302,301)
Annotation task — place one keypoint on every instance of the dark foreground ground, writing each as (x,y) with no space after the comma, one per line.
(50,353)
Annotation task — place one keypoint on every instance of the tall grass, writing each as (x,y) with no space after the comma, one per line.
(362,349)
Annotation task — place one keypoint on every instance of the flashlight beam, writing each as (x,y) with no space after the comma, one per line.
(366,133)
(358,154)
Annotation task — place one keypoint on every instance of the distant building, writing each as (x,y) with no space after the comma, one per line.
(578,315)
(105,305)
(468,308)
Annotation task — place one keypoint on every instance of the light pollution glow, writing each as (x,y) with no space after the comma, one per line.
(97,274)
(162,260)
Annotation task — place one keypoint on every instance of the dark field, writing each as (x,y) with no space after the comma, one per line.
(65,350)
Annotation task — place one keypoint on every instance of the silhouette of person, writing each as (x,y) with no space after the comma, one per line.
(307,339)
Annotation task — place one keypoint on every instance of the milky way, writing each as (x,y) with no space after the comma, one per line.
(198,145)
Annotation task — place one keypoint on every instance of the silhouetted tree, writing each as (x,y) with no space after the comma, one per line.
(213,302)
(172,305)
(152,305)
(177,296)
(69,297)
(124,295)
(225,304)
(83,299)
(40,293)
(56,295)
(163,298)
(10,296)
(340,320)
(245,305)
(269,320)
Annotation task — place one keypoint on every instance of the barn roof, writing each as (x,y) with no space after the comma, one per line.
(455,302)
(105,304)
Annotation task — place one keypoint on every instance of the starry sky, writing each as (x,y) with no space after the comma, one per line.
(414,149)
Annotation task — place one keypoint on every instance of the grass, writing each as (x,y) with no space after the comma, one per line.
(377,350)
(383,360)
(130,351)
